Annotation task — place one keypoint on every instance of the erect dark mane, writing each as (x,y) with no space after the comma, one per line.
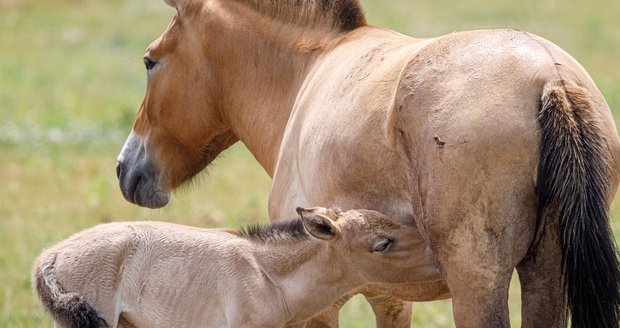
(341,15)
(277,230)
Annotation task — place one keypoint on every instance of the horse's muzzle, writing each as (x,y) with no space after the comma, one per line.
(137,176)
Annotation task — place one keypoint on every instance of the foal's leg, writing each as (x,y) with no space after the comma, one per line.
(543,304)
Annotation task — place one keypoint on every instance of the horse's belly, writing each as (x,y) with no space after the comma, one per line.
(413,292)
(343,185)
(370,186)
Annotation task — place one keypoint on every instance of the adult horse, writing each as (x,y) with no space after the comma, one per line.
(496,145)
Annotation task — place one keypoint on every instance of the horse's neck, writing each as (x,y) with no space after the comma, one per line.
(263,65)
(310,274)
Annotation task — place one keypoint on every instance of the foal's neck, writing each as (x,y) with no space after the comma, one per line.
(310,274)
(263,65)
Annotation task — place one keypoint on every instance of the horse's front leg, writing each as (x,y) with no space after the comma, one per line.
(390,311)
(395,310)
(328,318)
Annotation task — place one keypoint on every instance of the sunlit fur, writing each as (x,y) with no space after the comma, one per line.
(479,139)
(155,274)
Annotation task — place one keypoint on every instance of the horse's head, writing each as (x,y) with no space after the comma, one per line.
(179,128)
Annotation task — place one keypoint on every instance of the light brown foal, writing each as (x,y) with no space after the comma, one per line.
(155,274)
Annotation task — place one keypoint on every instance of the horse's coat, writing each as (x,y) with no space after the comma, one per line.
(154,274)
(488,142)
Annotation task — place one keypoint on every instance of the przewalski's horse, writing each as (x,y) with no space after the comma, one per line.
(155,274)
(496,145)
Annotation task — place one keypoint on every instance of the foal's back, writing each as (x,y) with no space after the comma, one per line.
(126,266)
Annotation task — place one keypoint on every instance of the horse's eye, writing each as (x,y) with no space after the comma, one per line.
(149,63)
(383,245)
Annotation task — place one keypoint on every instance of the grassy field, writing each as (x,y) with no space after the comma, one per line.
(71,79)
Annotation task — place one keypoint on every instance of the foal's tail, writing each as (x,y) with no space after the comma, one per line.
(574,183)
(67,308)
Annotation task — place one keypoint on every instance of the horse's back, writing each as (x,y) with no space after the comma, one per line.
(145,269)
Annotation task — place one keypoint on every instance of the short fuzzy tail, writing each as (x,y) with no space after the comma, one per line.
(67,308)
(573,182)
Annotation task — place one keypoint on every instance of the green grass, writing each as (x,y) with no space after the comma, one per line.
(71,79)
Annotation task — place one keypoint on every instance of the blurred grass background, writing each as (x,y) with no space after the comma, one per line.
(72,78)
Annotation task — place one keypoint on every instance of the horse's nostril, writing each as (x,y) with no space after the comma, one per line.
(118,170)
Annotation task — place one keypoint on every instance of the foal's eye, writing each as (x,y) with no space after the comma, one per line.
(149,63)
(383,245)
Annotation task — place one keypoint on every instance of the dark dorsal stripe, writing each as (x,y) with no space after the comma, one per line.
(341,15)
(277,230)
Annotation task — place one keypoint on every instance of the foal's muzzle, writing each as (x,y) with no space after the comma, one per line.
(138,177)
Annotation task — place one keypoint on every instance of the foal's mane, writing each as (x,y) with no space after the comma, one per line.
(277,230)
(341,15)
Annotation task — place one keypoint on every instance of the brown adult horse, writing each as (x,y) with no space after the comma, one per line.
(496,145)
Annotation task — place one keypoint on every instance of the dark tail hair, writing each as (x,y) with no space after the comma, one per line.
(67,308)
(574,183)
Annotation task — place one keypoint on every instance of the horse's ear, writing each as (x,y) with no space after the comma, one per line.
(319,225)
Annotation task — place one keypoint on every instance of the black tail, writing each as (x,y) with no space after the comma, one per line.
(68,309)
(574,182)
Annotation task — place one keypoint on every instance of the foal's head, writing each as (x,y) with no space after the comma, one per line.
(376,248)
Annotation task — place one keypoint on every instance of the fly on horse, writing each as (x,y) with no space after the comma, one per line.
(495,145)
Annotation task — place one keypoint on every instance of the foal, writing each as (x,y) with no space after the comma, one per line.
(155,274)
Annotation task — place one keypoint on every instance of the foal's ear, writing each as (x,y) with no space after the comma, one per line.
(317,224)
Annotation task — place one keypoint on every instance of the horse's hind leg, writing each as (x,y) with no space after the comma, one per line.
(543,304)
(478,242)
(479,292)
